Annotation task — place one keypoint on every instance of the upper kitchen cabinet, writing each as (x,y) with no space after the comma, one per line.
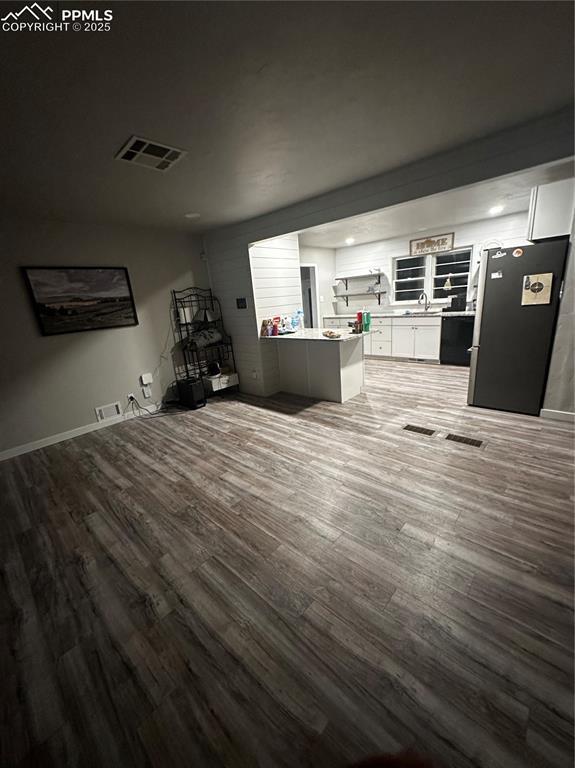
(551,210)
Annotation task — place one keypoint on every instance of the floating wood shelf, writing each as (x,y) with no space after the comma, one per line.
(360,293)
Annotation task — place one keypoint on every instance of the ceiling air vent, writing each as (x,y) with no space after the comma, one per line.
(110,411)
(150,154)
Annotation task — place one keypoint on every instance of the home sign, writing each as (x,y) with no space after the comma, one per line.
(435,244)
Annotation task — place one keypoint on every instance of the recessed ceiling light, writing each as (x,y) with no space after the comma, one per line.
(349,240)
(192,215)
(496,210)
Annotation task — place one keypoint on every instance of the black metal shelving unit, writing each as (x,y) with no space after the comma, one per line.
(196,309)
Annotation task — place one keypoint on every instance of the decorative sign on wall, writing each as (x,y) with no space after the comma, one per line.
(537,289)
(435,244)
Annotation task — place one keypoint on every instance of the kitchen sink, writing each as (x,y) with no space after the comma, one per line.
(422,314)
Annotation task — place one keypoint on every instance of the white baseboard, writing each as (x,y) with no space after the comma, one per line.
(18,450)
(548,413)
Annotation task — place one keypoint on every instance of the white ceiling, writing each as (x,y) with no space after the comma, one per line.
(454,207)
(274,102)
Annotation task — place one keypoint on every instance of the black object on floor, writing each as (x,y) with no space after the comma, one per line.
(465,440)
(419,430)
(191,393)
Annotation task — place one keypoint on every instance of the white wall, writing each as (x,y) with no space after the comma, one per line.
(230,279)
(276,277)
(324,259)
(358,259)
(276,283)
(540,141)
(51,384)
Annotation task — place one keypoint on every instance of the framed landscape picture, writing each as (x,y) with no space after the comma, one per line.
(72,299)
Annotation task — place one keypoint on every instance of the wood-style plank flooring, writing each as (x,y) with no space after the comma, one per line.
(281,583)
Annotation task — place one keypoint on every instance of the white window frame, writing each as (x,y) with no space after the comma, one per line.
(432,275)
(429,274)
(394,278)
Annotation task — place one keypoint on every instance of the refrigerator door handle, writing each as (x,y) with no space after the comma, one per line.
(472,374)
(480,293)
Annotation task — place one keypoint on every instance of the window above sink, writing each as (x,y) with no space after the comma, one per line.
(440,275)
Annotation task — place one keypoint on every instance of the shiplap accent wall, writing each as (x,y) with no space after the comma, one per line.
(358,259)
(230,278)
(276,281)
(540,141)
(276,276)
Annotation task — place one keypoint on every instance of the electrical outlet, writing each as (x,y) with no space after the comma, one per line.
(147,391)
(131,397)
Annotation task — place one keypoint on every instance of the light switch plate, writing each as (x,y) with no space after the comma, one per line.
(147,391)
(146,378)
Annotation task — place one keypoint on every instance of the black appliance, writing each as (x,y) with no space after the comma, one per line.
(518,300)
(458,304)
(191,393)
(456,340)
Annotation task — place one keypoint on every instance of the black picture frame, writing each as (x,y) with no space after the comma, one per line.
(72,299)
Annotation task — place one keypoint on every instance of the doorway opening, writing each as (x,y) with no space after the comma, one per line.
(310,295)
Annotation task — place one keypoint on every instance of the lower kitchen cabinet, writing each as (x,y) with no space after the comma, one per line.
(381,337)
(402,341)
(367,345)
(427,342)
(410,337)
(381,348)
(418,337)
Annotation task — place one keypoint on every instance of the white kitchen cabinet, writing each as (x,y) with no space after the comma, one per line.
(551,210)
(382,331)
(427,340)
(380,348)
(417,337)
(402,341)
(381,337)
(367,344)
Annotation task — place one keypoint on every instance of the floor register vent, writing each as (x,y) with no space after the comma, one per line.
(110,411)
(419,430)
(465,440)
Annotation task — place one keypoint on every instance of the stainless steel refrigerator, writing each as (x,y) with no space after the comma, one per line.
(517,305)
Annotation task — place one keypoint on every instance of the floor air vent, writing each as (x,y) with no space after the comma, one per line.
(150,154)
(419,430)
(110,411)
(465,440)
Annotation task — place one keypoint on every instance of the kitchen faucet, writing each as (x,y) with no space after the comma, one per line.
(424,296)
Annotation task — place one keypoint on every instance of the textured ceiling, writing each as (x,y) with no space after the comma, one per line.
(274,102)
(457,206)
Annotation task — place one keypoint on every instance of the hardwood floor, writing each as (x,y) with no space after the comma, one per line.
(280,583)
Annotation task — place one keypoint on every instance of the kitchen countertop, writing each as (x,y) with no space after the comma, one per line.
(469,313)
(316,334)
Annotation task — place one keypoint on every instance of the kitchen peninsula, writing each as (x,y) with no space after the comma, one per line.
(318,367)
